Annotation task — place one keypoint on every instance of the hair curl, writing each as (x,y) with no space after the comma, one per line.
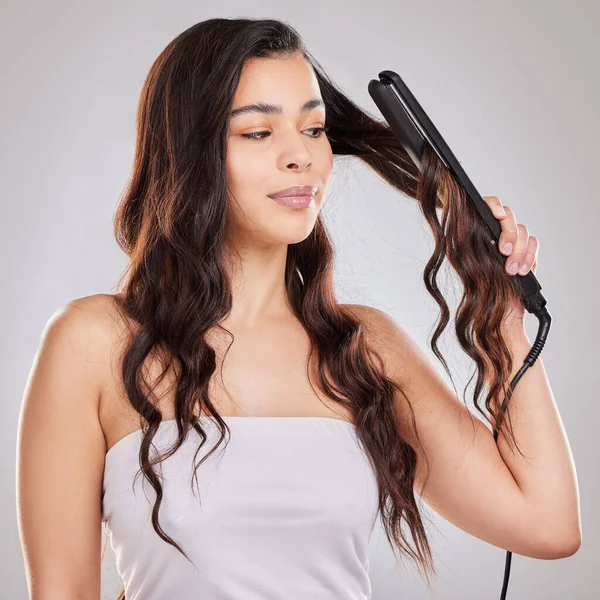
(171,223)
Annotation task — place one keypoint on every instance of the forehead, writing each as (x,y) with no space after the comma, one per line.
(288,82)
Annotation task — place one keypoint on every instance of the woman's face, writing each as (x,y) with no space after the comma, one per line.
(285,149)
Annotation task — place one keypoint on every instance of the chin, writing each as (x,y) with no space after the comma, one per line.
(289,234)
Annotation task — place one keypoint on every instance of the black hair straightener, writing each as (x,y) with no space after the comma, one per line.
(415,131)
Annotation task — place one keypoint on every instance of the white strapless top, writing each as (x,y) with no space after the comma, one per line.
(286,509)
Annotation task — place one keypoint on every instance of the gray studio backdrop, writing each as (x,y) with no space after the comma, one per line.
(512,86)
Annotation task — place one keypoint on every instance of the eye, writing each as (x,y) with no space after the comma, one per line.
(320,130)
(253,136)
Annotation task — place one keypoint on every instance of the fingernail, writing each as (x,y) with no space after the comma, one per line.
(501,211)
(507,247)
(513,268)
(523,269)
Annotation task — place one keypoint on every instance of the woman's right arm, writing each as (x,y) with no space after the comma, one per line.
(60,458)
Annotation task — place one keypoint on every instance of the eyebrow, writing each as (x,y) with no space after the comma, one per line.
(273,109)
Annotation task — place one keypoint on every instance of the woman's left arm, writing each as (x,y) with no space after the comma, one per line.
(531,506)
(548,479)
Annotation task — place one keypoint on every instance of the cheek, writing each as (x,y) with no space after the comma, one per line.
(244,169)
(330,160)
(326,161)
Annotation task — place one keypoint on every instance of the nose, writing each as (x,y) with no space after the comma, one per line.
(295,154)
(300,165)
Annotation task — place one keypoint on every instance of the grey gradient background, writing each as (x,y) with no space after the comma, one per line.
(512,86)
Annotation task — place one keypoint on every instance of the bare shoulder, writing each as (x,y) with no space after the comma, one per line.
(378,322)
(97,314)
(396,347)
(405,361)
(78,330)
(94,324)
(83,341)
(74,353)
(61,449)
(425,392)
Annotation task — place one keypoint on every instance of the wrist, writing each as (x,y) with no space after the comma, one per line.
(515,336)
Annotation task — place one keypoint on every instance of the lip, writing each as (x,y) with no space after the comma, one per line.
(297,190)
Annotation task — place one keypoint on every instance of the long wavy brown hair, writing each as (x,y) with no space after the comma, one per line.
(171,223)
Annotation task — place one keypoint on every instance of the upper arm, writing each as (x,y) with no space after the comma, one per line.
(468,482)
(60,459)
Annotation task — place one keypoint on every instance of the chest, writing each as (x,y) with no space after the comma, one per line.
(261,372)
(267,374)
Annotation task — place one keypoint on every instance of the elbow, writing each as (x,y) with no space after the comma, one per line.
(571,546)
(565,547)
(557,536)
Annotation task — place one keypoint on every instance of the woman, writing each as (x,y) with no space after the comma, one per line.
(333,415)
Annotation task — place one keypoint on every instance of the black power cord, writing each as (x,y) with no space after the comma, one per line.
(544,320)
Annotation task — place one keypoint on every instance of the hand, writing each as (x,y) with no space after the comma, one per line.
(524,250)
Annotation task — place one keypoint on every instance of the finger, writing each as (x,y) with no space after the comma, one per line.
(530,262)
(494,203)
(519,254)
(509,233)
